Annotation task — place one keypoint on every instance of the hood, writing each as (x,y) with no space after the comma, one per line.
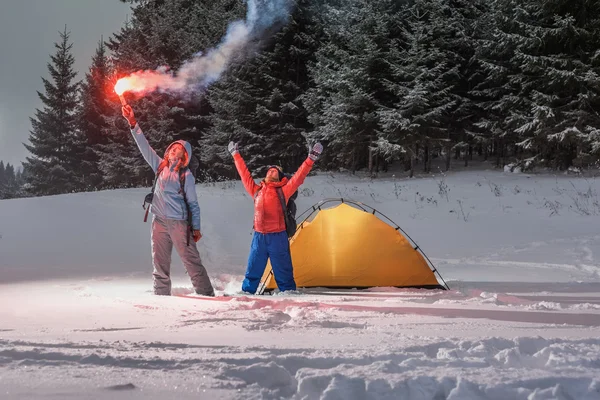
(186,146)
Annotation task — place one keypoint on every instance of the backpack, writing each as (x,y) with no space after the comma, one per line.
(289,211)
(150,196)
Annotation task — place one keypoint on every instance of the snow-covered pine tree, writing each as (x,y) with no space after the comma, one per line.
(425,73)
(18,187)
(92,114)
(258,104)
(3,192)
(54,162)
(163,34)
(560,85)
(465,25)
(343,101)
(203,30)
(232,106)
(9,174)
(497,92)
(9,182)
(490,90)
(120,163)
(541,89)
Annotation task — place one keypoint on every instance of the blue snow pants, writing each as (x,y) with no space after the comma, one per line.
(276,247)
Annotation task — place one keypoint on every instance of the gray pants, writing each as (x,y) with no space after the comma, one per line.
(165,234)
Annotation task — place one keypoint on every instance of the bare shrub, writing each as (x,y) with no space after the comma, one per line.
(553,206)
(461,213)
(496,189)
(421,199)
(443,189)
(585,202)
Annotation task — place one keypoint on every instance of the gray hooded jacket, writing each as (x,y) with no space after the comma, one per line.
(168,200)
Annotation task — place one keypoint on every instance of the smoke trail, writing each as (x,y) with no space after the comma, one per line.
(204,69)
(267,13)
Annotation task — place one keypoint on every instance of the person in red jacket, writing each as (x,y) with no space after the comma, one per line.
(270,238)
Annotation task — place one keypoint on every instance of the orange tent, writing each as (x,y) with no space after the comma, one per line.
(350,246)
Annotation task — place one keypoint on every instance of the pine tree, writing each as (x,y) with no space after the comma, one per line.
(3,192)
(425,74)
(121,163)
(491,89)
(19,182)
(9,187)
(54,164)
(466,23)
(162,33)
(232,105)
(258,102)
(92,115)
(541,87)
(348,73)
(118,160)
(9,175)
(560,90)
(2,177)
(497,92)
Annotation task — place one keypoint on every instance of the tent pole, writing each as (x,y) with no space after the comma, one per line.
(264,283)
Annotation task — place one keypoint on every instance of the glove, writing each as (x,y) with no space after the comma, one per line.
(233,148)
(316,151)
(127,112)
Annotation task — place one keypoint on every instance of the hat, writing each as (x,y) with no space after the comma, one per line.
(279,170)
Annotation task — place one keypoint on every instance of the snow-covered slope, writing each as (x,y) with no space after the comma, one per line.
(520,253)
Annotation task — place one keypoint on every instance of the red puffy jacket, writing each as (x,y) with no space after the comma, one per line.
(268,215)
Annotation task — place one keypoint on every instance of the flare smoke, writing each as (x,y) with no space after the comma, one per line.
(204,69)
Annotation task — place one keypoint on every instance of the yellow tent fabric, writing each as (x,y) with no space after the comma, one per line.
(347,247)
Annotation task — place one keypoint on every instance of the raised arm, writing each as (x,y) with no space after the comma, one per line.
(147,151)
(242,169)
(302,172)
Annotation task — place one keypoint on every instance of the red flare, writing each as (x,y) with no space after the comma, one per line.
(123,85)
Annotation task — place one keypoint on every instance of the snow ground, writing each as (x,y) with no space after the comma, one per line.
(521,321)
